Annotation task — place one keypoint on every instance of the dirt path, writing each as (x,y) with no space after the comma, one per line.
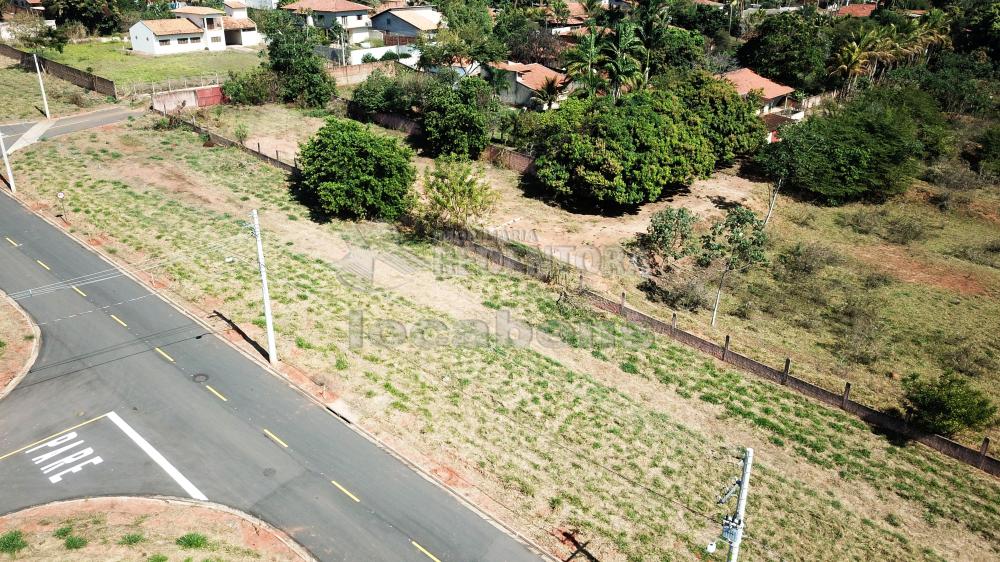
(153,524)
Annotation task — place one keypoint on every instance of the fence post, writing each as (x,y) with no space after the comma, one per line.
(983,451)
(581,281)
(673,322)
(784,374)
(277,155)
(725,348)
(847,395)
(621,305)
(258,146)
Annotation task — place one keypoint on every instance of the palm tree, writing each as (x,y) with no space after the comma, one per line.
(583,60)
(654,20)
(620,57)
(560,10)
(852,61)
(594,9)
(549,94)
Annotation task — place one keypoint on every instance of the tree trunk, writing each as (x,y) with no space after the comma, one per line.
(718,295)
(773,202)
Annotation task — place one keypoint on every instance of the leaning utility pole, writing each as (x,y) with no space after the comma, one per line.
(272,352)
(6,163)
(41,86)
(733,525)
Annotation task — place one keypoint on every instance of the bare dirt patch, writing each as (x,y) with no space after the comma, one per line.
(153,524)
(897,262)
(17,342)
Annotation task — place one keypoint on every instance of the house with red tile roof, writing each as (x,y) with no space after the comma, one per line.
(773,95)
(525,80)
(857,10)
(353,17)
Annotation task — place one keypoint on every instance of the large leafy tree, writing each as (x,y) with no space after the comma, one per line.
(791,49)
(946,405)
(352,172)
(291,56)
(455,193)
(98,16)
(457,121)
(730,121)
(609,154)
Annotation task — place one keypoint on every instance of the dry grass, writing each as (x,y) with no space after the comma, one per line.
(23,100)
(16,341)
(621,435)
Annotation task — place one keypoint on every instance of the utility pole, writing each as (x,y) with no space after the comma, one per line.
(272,352)
(733,525)
(6,163)
(41,85)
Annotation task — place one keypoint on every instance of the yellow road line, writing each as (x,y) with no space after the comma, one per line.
(424,550)
(43,265)
(164,354)
(276,439)
(12,243)
(82,294)
(343,489)
(216,392)
(119,320)
(68,429)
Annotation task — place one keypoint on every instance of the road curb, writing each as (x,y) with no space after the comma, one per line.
(281,535)
(468,503)
(35,348)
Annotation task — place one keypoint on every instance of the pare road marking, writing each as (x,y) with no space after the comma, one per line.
(75,461)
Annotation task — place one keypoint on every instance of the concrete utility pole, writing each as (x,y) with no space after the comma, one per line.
(6,163)
(41,85)
(733,525)
(272,352)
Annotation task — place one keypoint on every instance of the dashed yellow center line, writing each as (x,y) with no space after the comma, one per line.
(54,435)
(119,320)
(12,243)
(41,263)
(343,489)
(424,550)
(216,392)
(276,438)
(164,354)
(82,294)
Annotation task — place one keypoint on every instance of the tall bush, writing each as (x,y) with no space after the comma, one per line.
(946,405)
(352,172)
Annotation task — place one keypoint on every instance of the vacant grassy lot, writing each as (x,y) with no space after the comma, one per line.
(116,62)
(593,426)
(135,529)
(23,99)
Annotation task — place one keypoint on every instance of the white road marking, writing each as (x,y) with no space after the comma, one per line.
(67,460)
(157,457)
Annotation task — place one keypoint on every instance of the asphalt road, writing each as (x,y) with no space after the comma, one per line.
(69,124)
(168,408)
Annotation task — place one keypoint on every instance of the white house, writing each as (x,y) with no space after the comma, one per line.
(237,25)
(324,13)
(262,4)
(409,22)
(195,28)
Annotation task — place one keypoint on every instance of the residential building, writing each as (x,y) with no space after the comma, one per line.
(857,10)
(351,16)
(524,81)
(262,4)
(238,27)
(774,96)
(577,18)
(408,22)
(195,28)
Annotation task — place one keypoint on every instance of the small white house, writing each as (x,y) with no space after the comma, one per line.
(351,16)
(166,37)
(409,22)
(238,27)
(262,4)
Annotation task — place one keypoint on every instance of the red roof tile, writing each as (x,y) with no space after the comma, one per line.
(325,6)
(531,75)
(746,81)
(857,10)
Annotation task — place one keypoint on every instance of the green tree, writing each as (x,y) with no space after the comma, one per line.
(738,240)
(621,56)
(458,121)
(255,87)
(583,60)
(456,194)
(349,171)
(98,16)
(670,235)
(791,49)
(291,56)
(946,405)
(987,155)
(619,154)
(549,94)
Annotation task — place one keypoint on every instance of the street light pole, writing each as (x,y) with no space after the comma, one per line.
(272,352)
(41,85)
(741,506)
(6,163)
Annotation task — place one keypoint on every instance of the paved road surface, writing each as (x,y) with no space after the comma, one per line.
(167,408)
(65,125)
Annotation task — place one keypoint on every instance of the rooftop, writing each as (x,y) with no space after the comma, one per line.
(196,11)
(746,81)
(532,75)
(422,19)
(325,6)
(234,4)
(238,23)
(857,10)
(174,26)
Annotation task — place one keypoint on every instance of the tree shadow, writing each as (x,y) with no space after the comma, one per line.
(307,198)
(246,337)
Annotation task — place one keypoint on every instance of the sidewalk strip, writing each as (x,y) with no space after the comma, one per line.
(157,457)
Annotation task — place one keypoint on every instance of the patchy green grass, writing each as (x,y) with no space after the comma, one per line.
(631,450)
(113,61)
(23,99)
